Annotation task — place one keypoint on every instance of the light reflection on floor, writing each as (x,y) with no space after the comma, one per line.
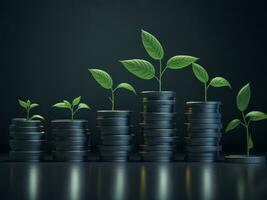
(121,181)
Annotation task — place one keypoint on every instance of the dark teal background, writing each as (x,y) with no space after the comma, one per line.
(47,46)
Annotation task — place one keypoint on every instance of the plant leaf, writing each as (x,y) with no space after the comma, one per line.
(243,97)
(37,117)
(102,78)
(28,103)
(33,105)
(126,86)
(83,106)
(152,45)
(140,68)
(256,115)
(76,101)
(23,104)
(220,82)
(200,73)
(181,61)
(67,103)
(60,105)
(232,124)
(250,142)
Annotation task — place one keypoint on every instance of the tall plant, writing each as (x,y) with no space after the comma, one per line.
(105,80)
(242,102)
(203,76)
(145,70)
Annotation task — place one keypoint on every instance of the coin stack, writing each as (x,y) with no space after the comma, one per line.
(27,140)
(158,126)
(115,131)
(204,131)
(71,140)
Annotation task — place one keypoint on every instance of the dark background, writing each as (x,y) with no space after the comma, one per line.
(47,46)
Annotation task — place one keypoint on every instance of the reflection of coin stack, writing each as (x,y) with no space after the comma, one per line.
(204,131)
(27,140)
(158,126)
(115,131)
(70,140)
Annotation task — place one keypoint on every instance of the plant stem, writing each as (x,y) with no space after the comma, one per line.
(206,88)
(112,99)
(160,75)
(72,114)
(247,131)
(28,114)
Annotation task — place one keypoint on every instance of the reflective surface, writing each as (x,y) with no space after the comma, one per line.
(133,180)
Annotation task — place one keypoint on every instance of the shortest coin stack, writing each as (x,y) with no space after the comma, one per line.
(158,126)
(115,131)
(71,140)
(204,131)
(27,140)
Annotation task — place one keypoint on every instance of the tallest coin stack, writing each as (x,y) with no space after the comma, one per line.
(158,126)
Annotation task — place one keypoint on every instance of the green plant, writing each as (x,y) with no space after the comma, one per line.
(74,106)
(27,105)
(105,80)
(203,76)
(145,70)
(242,101)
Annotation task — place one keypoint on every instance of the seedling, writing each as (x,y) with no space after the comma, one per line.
(203,76)
(74,106)
(145,70)
(28,105)
(105,80)
(242,101)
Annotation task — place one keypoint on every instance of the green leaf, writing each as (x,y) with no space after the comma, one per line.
(23,104)
(76,101)
(181,61)
(37,117)
(243,97)
(250,142)
(256,115)
(140,68)
(33,105)
(102,78)
(126,86)
(83,106)
(200,73)
(67,103)
(28,103)
(232,124)
(220,82)
(152,45)
(60,105)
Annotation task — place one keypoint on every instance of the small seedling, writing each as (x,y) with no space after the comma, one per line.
(28,105)
(242,101)
(203,76)
(105,80)
(145,70)
(73,107)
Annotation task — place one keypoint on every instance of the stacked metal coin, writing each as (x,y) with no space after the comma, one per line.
(204,131)
(115,131)
(71,140)
(27,140)
(158,126)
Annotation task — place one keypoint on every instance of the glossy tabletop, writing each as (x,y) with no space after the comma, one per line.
(133,180)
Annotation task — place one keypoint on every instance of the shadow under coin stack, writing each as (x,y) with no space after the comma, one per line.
(204,131)
(115,131)
(71,140)
(158,126)
(27,140)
